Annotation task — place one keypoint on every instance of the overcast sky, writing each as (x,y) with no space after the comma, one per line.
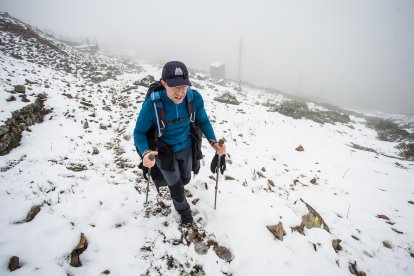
(352,53)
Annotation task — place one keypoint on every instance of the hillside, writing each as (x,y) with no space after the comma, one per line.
(69,169)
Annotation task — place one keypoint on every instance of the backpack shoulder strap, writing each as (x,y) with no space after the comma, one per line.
(190,105)
(159,111)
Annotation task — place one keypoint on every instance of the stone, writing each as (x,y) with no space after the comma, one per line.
(300,148)
(336,245)
(201,248)
(76,167)
(387,244)
(32,213)
(277,230)
(80,248)
(20,88)
(14,263)
(313,219)
(383,217)
(300,229)
(11,98)
(223,253)
(95,151)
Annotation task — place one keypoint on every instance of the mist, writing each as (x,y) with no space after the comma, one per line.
(354,54)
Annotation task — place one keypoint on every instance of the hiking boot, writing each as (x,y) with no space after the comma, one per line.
(186,218)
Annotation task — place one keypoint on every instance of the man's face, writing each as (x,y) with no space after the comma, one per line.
(176,94)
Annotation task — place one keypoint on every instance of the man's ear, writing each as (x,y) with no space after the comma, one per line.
(164,83)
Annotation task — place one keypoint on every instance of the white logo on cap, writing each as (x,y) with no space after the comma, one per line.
(178,71)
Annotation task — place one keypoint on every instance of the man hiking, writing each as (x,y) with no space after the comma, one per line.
(172,111)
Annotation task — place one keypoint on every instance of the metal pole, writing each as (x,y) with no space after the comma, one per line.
(150,157)
(221,142)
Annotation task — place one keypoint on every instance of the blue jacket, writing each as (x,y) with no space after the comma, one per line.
(176,135)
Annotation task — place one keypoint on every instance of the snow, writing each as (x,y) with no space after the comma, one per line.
(106,201)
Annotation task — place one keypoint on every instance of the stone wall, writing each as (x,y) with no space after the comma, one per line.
(11,131)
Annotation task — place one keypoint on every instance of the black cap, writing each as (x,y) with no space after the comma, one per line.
(175,73)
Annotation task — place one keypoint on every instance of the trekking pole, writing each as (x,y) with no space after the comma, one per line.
(221,142)
(150,157)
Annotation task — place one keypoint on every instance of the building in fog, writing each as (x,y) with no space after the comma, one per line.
(217,70)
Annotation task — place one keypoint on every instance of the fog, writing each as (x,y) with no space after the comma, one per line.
(352,53)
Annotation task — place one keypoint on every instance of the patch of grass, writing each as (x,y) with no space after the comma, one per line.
(406,150)
(298,110)
(388,130)
(227,98)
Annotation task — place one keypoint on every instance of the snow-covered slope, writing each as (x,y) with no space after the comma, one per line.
(80,167)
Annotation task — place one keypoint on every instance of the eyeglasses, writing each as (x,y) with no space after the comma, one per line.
(179,89)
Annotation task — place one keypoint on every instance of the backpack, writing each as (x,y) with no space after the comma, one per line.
(155,132)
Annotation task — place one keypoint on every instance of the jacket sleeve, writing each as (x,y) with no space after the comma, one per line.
(144,122)
(202,118)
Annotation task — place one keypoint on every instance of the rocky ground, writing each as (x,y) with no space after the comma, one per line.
(307,190)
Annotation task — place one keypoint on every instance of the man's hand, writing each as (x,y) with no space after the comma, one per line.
(146,161)
(220,149)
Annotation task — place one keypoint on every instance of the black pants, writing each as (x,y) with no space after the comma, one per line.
(178,178)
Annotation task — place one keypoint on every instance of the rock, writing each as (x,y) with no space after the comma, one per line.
(85,124)
(397,231)
(80,248)
(95,151)
(271,183)
(259,173)
(313,181)
(300,148)
(201,248)
(383,217)
(76,167)
(228,177)
(14,263)
(387,244)
(11,98)
(300,229)
(336,245)
(30,82)
(353,269)
(313,218)
(277,230)
(20,88)
(197,270)
(102,126)
(24,98)
(106,272)
(310,221)
(146,82)
(32,213)
(223,253)
(86,104)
